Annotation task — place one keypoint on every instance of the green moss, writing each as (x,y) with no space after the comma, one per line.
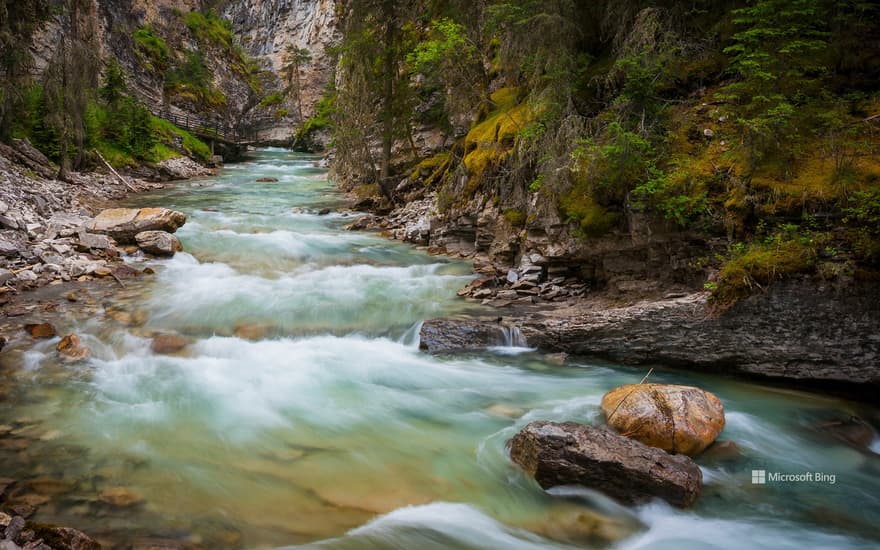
(432,169)
(515,218)
(491,139)
(757,265)
(592,218)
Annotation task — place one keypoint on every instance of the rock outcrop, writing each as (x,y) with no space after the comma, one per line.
(123,224)
(574,454)
(677,419)
(796,330)
(159,243)
(454,335)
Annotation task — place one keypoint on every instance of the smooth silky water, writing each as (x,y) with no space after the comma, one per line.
(304,413)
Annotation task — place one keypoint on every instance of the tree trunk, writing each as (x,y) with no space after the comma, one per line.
(299,102)
(388,102)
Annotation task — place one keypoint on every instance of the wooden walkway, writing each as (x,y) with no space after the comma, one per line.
(215,130)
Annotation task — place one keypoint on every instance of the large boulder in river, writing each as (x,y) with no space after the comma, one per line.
(160,243)
(124,223)
(677,419)
(574,454)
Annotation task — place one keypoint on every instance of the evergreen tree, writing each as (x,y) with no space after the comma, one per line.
(294,59)
(19,19)
(71,79)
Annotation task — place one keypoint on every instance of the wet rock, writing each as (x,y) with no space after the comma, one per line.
(127,272)
(5,482)
(267,180)
(585,525)
(50,486)
(505,411)
(23,510)
(102,271)
(677,419)
(159,243)
(626,470)
(63,538)
(4,520)
(252,332)
(169,343)
(452,335)
(71,349)
(722,452)
(853,431)
(14,529)
(123,224)
(120,497)
(41,330)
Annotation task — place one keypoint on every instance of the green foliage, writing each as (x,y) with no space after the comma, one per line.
(779,57)
(609,169)
(272,100)
(174,137)
(323,117)
(209,28)
(192,80)
(152,49)
(754,266)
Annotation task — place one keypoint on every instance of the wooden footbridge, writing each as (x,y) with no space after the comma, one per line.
(216,130)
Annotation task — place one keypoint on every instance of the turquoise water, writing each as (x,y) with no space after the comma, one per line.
(304,414)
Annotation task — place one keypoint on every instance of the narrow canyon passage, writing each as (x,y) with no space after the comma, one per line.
(303,412)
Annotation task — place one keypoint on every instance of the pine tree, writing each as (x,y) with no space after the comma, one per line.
(19,19)
(294,59)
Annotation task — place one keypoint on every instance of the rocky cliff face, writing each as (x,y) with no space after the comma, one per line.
(266,29)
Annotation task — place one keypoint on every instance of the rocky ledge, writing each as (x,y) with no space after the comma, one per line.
(796,330)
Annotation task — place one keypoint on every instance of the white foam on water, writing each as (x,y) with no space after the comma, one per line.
(439,525)
(675,530)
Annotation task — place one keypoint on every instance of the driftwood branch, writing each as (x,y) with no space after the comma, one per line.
(115,173)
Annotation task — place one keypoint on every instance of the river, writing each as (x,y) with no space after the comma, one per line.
(304,414)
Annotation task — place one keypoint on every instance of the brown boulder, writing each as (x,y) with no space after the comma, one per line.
(42,330)
(574,454)
(677,419)
(71,349)
(160,243)
(169,343)
(123,224)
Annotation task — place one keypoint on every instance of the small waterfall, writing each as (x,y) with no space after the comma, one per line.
(513,337)
(412,337)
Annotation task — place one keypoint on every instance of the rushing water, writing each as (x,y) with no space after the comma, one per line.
(304,414)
